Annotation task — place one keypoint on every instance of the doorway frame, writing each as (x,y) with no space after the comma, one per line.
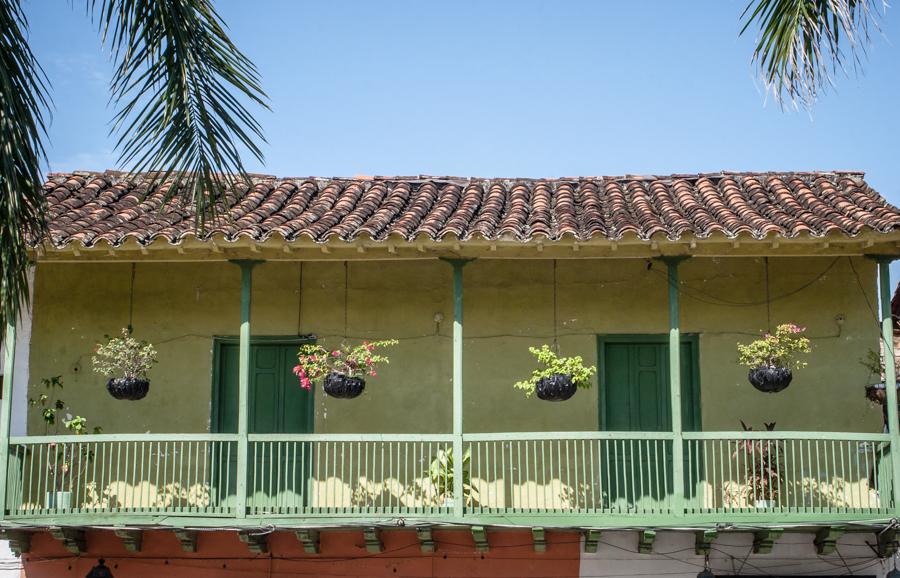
(691,339)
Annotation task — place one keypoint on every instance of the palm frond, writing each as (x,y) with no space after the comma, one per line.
(803,44)
(24,102)
(182,89)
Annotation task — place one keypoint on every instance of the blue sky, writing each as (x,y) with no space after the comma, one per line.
(522,88)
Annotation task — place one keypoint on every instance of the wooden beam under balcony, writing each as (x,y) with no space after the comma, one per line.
(764,540)
(132,540)
(310,540)
(73,539)
(426,539)
(591,541)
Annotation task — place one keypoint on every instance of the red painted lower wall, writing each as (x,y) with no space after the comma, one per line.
(343,554)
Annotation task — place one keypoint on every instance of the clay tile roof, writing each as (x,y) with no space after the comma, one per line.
(88,208)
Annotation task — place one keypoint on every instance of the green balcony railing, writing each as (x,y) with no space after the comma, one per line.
(594,475)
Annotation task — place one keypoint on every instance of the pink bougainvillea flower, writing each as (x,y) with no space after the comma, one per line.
(305,383)
(373,374)
(336,353)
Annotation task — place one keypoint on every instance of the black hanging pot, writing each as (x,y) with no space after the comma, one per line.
(557,387)
(877,393)
(131,388)
(343,386)
(770,379)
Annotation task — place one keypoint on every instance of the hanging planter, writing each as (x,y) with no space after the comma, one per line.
(772,359)
(770,379)
(130,388)
(126,361)
(557,378)
(343,386)
(341,370)
(557,387)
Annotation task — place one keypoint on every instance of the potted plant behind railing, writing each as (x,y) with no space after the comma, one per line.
(341,370)
(557,378)
(772,359)
(125,361)
(876,391)
(763,464)
(66,467)
(440,472)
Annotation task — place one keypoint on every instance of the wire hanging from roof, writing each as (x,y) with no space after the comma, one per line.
(131,300)
(555,312)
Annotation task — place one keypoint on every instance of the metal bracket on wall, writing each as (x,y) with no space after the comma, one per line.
(479,534)
(373,540)
(132,540)
(763,540)
(826,539)
(540,539)
(309,539)
(591,541)
(188,539)
(645,541)
(703,541)
(426,540)
(258,543)
(19,541)
(73,539)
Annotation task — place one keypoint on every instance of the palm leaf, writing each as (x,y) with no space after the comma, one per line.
(182,89)
(802,44)
(23,104)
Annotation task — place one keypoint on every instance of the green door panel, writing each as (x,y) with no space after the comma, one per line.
(634,377)
(277,404)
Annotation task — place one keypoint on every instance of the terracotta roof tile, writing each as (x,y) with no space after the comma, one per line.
(91,207)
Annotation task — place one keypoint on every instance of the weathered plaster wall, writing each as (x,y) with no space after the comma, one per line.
(508,306)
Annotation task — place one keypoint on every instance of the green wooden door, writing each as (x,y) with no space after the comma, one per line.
(277,404)
(635,397)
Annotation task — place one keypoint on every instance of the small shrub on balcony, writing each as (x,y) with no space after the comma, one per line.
(66,463)
(773,358)
(763,462)
(126,361)
(342,371)
(556,378)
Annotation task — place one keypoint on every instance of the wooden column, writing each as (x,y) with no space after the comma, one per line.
(458,451)
(244,384)
(675,384)
(6,410)
(890,370)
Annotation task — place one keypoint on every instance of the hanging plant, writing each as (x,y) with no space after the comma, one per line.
(875,388)
(773,358)
(557,378)
(125,361)
(343,370)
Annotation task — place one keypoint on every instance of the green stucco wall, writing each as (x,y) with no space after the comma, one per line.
(508,307)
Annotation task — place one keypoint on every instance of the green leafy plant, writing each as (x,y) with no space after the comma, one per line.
(315,362)
(440,472)
(776,350)
(124,356)
(874,363)
(551,364)
(66,462)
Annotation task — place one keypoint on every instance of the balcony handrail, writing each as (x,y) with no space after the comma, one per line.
(349,437)
(787,435)
(145,437)
(570,435)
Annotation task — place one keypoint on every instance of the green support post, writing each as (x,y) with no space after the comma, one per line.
(675,385)
(244,385)
(458,492)
(6,411)
(890,371)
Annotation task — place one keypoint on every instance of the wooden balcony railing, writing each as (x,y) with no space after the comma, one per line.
(600,477)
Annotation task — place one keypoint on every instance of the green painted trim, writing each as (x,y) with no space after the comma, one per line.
(276,437)
(569,435)
(692,339)
(736,523)
(890,371)
(787,435)
(92,438)
(9,364)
